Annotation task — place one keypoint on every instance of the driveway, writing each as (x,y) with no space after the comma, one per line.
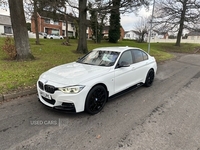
(165,116)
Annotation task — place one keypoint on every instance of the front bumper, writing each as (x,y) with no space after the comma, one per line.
(61,101)
(67,107)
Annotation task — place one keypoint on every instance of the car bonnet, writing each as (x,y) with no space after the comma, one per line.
(73,74)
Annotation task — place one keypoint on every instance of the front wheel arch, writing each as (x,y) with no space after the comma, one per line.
(101,85)
(96,99)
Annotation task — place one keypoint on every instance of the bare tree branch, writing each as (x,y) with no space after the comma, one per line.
(177,15)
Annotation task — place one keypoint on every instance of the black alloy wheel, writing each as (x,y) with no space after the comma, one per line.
(149,78)
(96,99)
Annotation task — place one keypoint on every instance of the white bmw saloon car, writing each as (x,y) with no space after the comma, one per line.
(86,85)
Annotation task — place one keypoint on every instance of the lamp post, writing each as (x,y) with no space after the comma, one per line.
(96,24)
(151,27)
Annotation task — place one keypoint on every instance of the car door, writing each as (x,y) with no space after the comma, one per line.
(140,64)
(124,72)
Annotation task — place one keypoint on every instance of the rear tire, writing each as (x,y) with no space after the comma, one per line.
(149,78)
(96,99)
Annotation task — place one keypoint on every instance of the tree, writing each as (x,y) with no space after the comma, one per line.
(129,6)
(141,28)
(114,30)
(20,30)
(31,8)
(37,42)
(82,24)
(122,6)
(82,41)
(98,19)
(109,5)
(177,15)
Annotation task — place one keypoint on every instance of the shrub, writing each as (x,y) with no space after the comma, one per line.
(9,48)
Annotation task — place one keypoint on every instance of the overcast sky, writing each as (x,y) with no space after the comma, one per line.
(128,20)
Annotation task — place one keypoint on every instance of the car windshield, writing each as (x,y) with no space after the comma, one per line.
(100,58)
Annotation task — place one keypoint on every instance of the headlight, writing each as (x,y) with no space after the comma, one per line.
(72,89)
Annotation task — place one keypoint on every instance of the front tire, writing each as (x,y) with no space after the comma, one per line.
(149,78)
(96,99)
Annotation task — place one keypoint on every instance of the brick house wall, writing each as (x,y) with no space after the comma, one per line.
(122,33)
(44,26)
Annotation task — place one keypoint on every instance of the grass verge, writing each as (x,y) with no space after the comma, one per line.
(15,76)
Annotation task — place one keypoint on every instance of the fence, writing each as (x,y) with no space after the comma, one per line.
(157,40)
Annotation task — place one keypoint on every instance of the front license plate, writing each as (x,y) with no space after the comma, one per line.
(43,94)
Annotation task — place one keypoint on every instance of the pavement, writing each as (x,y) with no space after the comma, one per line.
(16,94)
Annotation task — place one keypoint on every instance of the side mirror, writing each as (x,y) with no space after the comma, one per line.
(123,64)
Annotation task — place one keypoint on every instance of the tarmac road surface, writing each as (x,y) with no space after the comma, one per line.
(165,116)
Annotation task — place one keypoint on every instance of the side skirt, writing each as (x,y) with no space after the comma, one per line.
(126,91)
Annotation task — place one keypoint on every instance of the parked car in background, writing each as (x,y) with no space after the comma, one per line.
(86,85)
(53,36)
(43,34)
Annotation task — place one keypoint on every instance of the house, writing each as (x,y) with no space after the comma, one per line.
(50,26)
(131,35)
(159,34)
(5,25)
(122,32)
(193,35)
(58,26)
(105,32)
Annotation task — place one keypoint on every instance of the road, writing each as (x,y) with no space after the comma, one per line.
(165,116)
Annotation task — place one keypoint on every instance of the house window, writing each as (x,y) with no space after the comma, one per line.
(7,30)
(51,22)
(64,23)
(56,22)
(55,32)
(70,34)
(47,21)
(72,25)
(127,35)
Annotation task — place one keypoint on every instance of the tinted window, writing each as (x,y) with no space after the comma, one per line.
(126,58)
(138,56)
(145,56)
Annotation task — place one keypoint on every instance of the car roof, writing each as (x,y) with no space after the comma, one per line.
(116,49)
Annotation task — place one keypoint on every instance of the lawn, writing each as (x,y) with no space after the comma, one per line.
(16,76)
